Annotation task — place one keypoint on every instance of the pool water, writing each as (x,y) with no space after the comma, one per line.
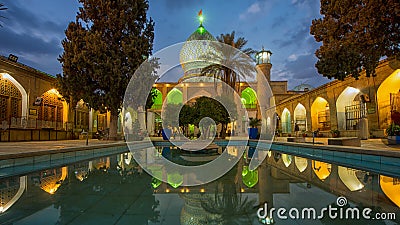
(115,190)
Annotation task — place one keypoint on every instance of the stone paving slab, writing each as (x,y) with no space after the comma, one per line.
(7,148)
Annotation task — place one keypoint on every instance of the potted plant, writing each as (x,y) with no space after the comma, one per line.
(304,133)
(253,130)
(335,133)
(393,132)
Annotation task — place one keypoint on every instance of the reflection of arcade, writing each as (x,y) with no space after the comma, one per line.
(357,186)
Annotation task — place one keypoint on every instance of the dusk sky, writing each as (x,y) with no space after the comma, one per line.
(33,30)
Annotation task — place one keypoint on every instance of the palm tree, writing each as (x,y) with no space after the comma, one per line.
(2,8)
(231,66)
(229,207)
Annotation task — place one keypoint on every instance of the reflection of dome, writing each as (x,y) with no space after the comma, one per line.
(303,87)
(196,48)
(192,213)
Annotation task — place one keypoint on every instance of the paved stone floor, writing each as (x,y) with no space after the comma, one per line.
(380,144)
(34,146)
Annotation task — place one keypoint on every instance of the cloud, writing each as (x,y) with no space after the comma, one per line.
(300,69)
(254,9)
(36,41)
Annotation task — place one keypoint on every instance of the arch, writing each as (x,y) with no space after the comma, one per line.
(346,98)
(158,99)
(286,159)
(286,121)
(300,117)
(249,177)
(320,114)
(321,169)
(52,109)
(391,188)
(4,206)
(175,96)
(349,178)
(249,98)
(301,163)
(390,85)
(24,95)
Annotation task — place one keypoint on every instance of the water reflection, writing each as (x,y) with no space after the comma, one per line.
(115,190)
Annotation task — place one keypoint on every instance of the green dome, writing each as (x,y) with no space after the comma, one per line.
(196,47)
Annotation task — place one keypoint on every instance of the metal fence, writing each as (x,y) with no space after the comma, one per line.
(353,115)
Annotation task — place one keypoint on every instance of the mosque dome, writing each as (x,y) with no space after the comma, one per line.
(303,87)
(195,50)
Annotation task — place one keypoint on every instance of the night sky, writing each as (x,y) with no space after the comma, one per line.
(33,30)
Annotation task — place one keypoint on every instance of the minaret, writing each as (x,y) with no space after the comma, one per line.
(263,61)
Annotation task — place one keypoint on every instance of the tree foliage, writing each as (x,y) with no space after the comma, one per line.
(102,49)
(233,66)
(2,7)
(355,35)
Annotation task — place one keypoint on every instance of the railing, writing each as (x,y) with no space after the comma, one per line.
(249,106)
(24,123)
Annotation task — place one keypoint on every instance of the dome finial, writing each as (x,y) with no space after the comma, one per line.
(201,18)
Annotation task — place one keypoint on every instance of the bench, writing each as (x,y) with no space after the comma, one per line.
(296,139)
(345,141)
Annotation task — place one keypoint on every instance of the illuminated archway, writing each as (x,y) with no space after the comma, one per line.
(321,169)
(391,187)
(53,109)
(346,98)
(9,198)
(286,121)
(249,177)
(301,163)
(4,77)
(175,96)
(249,98)
(349,178)
(287,159)
(158,99)
(320,114)
(300,117)
(390,85)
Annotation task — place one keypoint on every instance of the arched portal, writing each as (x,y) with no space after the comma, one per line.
(349,178)
(13,98)
(320,114)
(388,96)
(249,98)
(286,159)
(391,187)
(175,96)
(158,99)
(286,121)
(348,109)
(52,111)
(301,163)
(321,169)
(300,117)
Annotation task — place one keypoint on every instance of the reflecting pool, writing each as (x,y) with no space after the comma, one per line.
(115,190)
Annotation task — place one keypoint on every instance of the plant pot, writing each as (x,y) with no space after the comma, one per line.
(334,135)
(166,133)
(304,135)
(253,132)
(394,140)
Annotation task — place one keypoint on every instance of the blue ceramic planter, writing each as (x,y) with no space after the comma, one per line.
(253,133)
